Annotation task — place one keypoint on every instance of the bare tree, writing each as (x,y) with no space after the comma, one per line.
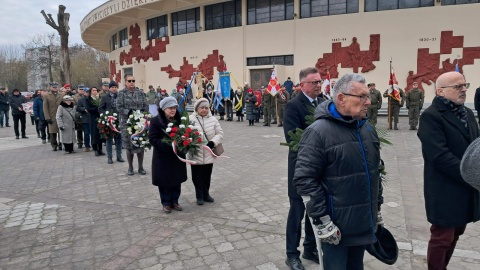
(42,56)
(62,29)
(89,65)
(13,68)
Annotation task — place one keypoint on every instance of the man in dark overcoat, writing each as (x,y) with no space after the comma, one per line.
(446,129)
(294,117)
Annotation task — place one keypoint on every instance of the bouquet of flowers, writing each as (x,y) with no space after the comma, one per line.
(184,136)
(138,124)
(107,124)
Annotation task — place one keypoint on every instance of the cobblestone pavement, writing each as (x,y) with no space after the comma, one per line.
(76,211)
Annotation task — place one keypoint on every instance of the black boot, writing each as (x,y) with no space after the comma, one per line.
(140,163)
(221,117)
(241,118)
(130,164)
(110,161)
(238,119)
(395,126)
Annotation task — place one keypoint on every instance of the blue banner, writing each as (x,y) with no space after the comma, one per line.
(224,84)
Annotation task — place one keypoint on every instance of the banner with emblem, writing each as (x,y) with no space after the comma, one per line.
(273,85)
(394,90)
(224,84)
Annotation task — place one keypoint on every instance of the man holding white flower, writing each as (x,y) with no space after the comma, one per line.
(108,104)
(129,100)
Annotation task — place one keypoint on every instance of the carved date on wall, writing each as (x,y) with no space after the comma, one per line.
(350,57)
(206,66)
(429,66)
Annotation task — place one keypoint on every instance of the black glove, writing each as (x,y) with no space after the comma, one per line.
(211,144)
(49,121)
(62,128)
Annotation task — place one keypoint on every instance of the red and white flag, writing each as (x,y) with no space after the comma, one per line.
(326,86)
(273,85)
(394,90)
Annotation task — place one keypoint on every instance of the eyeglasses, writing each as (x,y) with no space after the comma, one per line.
(130,81)
(361,97)
(315,82)
(458,87)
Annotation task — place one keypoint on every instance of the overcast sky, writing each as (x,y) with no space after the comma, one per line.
(21,19)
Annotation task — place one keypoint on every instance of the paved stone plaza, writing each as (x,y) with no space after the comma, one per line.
(76,211)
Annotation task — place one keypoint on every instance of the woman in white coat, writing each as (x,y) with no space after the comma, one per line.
(212,135)
(66,123)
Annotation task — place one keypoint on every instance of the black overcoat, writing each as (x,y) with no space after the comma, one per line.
(167,169)
(94,114)
(449,200)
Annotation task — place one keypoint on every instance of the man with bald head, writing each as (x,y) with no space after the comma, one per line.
(446,129)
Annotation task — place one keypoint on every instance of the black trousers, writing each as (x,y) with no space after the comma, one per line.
(201,177)
(22,119)
(294,229)
(43,128)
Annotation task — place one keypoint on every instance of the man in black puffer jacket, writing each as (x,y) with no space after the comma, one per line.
(337,174)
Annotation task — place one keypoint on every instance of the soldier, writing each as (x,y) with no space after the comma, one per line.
(152,100)
(296,90)
(376,104)
(414,99)
(105,89)
(51,101)
(394,107)
(267,100)
(281,100)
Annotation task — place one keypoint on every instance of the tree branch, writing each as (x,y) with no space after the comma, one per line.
(49,20)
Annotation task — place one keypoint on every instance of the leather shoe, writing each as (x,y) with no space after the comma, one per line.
(177,207)
(208,199)
(130,172)
(200,202)
(101,153)
(110,161)
(294,264)
(24,137)
(142,171)
(97,153)
(120,159)
(167,209)
(312,256)
(17,138)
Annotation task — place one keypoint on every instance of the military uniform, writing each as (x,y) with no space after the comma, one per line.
(394,106)
(376,104)
(281,99)
(414,99)
(268,103)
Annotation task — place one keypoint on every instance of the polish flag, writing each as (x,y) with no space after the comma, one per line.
(273,85)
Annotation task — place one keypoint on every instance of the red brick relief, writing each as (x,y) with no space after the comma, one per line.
(116,76)
(429,66)
(136,51)
(350,57)
(207,67)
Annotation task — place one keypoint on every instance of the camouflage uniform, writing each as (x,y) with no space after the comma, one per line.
(376,104)
(415,99)
(395,106)
(281,99)
(268,103)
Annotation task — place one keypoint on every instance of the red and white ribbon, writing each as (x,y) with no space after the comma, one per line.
(174,146)
(111,123)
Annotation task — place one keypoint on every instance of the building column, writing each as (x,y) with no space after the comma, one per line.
(361,6)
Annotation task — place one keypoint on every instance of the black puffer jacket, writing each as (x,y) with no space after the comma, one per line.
(337,167)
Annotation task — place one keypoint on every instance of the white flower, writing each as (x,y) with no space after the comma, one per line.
(135,127)
(190,126)
(144,142)
(181,126)
(183,118)
(114,114)
(103,122)
(143,120)
(170,124)
(101,114)
(141,139)
(129,129)
(106,112)
(168,130)
(130,133)
(131,116)
(149,116)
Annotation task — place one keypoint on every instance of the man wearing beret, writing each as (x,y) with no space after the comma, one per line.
(51,102)
(4,107)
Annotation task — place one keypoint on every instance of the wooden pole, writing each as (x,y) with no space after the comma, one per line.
(276,110)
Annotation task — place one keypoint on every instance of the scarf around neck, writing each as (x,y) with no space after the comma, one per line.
(459,111)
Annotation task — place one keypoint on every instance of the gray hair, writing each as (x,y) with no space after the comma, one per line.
(306,71)
(344,85)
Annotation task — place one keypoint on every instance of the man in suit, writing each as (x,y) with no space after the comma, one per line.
(294,117)
(446,129)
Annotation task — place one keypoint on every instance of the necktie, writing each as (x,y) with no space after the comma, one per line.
(315,103)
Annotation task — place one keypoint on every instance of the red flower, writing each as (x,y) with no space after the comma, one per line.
(196,133)
(174,129)
(199,140)
(100,126)
(172,135)
(185,143)
(186,135)
(188,130)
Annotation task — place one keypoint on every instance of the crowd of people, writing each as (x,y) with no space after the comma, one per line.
(334,178)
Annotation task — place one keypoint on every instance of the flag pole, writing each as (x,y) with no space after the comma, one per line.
(388,99)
